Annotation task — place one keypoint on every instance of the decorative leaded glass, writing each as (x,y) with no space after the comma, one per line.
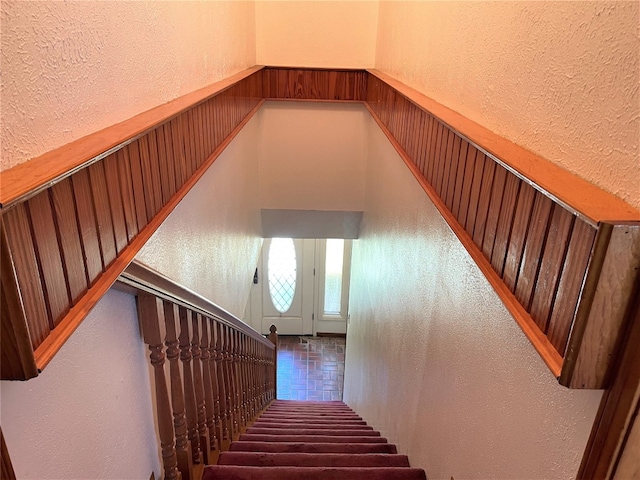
(282,273)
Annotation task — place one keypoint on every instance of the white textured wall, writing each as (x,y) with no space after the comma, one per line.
(71,68)
(312,156)
(89,414)
(559,78)
(316,33)
(435,361)
(211,242)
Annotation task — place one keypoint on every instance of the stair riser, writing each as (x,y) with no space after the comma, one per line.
(224,472)
(312,460)
(311,438)
(310,431)
(282,447)
(307,421)
(333,426)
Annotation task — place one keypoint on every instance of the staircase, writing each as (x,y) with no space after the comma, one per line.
(311,441)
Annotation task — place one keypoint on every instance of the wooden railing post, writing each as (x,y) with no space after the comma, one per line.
(273,336)
(151,314)
(183,446)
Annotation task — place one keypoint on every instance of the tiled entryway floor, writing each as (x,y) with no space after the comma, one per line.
(310,368)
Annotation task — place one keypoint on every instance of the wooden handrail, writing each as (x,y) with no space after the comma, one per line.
(145,279)
(228,373)
(28,179)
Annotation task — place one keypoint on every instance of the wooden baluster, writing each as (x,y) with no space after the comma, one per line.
(235,377)
(201,410)
(226,352)
(183,447)
(215,384)
(189,391)
(150,314)
(252,379)
(205,358)
(245,380)
(222,386)
(262,375)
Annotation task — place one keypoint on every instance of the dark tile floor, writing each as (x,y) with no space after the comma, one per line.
(310,368)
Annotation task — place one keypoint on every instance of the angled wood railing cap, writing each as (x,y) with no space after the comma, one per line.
(576,194)
(29,178)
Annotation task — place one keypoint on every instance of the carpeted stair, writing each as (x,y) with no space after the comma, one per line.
(295,440)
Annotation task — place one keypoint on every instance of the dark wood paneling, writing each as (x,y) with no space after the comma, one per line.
(126,188)
(314,84)
(71,248)
(23,255)
(521,221)
(474,194)
(493,213)
(139,198)
(462,168)
(103,213)
(453,172)
(505,223)
(483,202)
(87,225)
(148,185)
(553,256)
(115,201)
(47,251)
(467,181)
(536,237)
(571,280)
(16,352)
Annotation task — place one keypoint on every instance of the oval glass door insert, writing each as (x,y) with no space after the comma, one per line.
(282,273)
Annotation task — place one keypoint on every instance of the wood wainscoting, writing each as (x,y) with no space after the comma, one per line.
(562,254)
(74,218)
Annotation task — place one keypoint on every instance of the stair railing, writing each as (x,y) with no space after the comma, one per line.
(213,374)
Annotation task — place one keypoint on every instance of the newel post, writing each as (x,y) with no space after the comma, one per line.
(273,336)
(151,315)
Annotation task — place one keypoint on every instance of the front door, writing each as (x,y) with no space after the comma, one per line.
(301,287)
(286,286)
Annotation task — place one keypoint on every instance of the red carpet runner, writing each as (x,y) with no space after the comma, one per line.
(311,441)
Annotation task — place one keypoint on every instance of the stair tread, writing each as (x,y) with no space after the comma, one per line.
(312,438)
(304,459)
(228,472)
(312,431)
(319,426)
(314,447)
(316,421)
